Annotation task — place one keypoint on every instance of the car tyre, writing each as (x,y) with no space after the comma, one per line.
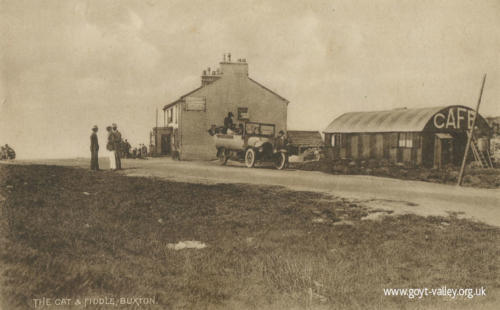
(281,161)
(250,158)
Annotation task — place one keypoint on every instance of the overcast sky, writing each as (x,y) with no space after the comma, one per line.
(67,65)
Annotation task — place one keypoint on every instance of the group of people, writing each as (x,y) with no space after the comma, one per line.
(113,146)
(229,128)
(140,152)
(117,149)
(6,152)
(126,150)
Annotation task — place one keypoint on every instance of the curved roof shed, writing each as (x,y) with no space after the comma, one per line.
(397,120)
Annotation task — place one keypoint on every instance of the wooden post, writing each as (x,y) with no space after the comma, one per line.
(156,133)
(469,138)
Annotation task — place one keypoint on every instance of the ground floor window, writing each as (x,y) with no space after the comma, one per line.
(407,140)
(336,140)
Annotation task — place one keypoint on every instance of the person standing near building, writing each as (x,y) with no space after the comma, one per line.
(127,149)
(117,138)
(110,146)
(94,150)
(281,140)
(228,121)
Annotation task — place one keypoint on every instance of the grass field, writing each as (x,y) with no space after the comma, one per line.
(71,233)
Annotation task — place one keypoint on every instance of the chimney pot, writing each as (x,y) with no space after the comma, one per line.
(229,57)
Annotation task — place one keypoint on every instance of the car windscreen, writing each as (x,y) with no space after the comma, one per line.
(252,129)
(267,130)
(257,129)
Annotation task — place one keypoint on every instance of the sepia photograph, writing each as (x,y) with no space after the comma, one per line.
(249,154)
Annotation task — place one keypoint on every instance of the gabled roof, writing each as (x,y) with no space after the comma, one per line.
(269,90)
(181,98)
(184,96)
(305,138)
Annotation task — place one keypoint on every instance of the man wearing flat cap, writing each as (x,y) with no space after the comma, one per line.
(94,150)
(117,139)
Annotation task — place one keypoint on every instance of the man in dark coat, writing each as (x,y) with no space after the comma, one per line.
(127,149)
(228,122)
(94,150)
(281,140)
(117,137)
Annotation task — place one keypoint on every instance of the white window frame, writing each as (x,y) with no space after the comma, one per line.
(405,140)
(170,116)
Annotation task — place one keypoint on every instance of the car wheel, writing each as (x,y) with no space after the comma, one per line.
(250,158)
(281,161)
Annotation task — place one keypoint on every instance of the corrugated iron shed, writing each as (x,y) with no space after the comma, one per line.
(303,138)
(397,120)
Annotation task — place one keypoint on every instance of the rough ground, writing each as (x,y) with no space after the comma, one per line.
(397,196)
(474,176)
(68,232)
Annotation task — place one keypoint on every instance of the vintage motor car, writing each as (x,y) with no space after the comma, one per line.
(254,142)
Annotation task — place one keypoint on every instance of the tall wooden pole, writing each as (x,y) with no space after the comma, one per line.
(469,138)
(156,133)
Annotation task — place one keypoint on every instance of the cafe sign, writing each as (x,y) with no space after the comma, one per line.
(454,118)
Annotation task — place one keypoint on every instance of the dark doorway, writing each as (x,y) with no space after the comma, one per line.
(460,141)
(165,145)
(428,140)
(443,150)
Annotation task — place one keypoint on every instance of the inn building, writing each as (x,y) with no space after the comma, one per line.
(429,137)
(228,88)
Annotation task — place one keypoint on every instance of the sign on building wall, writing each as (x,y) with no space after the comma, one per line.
(243,114)
(195,104)
(454,118)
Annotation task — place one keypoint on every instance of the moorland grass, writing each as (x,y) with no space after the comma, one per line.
(68,232)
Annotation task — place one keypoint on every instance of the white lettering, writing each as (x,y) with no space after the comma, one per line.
(450,122)
(460,117)
(436,119)
(471,116)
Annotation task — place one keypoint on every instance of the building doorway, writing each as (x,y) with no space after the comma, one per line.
(443,150)
(165,145)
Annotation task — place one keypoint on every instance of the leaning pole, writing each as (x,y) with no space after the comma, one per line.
(469,138)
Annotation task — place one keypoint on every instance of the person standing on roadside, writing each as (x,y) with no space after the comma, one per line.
(127,149)
(94,150)
(117,138)
(110,146)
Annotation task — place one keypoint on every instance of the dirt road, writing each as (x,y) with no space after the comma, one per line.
(382,193)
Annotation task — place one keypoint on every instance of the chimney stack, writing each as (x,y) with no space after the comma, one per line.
(209,76)
(238,68)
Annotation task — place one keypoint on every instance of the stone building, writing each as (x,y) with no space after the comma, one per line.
(225,89)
